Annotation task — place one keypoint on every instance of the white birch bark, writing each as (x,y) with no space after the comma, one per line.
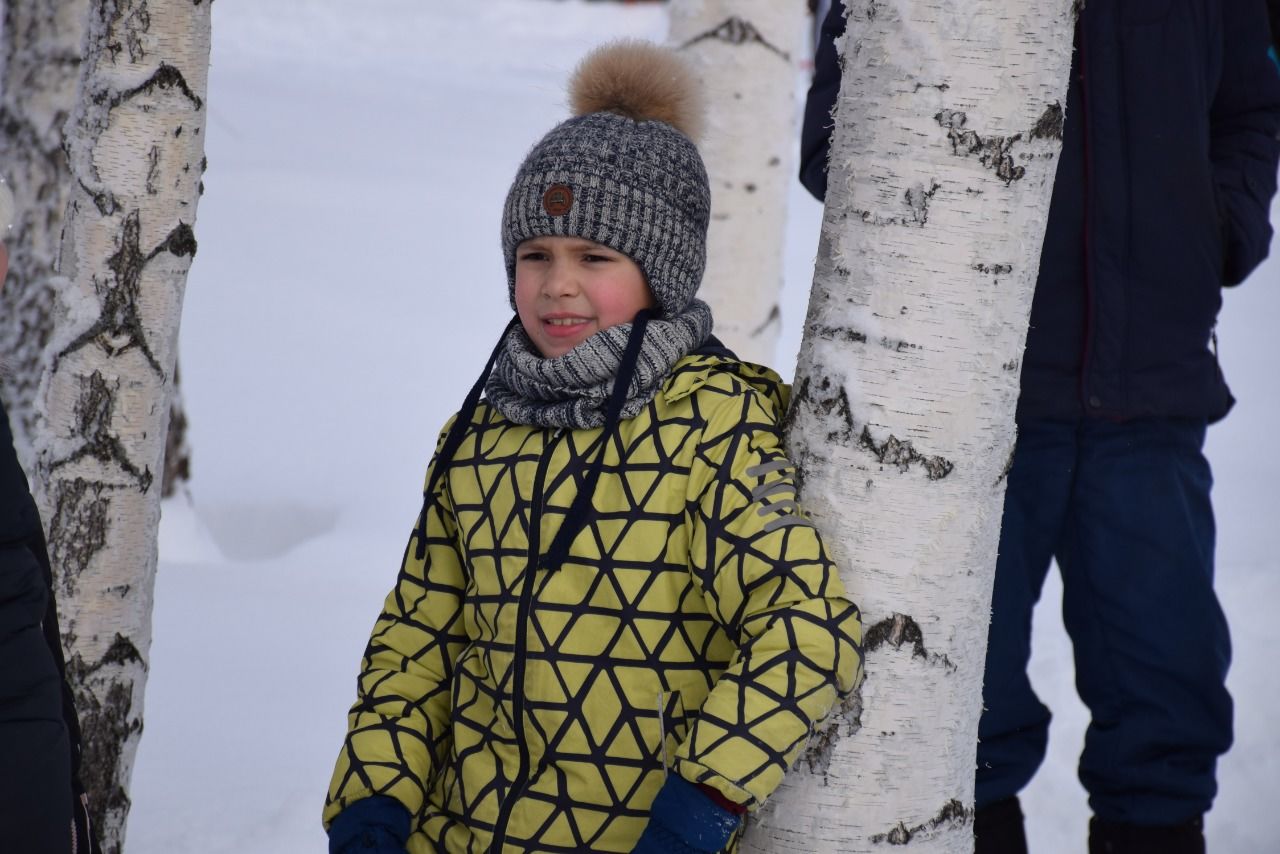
(745,54)
(40,50)
(947,133)
(135,142)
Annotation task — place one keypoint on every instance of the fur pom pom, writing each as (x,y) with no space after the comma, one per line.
(641,81)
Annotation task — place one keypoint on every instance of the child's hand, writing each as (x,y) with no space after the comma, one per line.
(684,820)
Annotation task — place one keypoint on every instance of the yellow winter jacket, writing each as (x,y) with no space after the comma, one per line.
(696,626)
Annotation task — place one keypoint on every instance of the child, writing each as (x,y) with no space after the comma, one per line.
(613,629)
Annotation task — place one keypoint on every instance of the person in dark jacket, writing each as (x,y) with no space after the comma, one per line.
(42,806)
(1162,198)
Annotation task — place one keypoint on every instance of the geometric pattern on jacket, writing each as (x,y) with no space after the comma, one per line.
(696,627)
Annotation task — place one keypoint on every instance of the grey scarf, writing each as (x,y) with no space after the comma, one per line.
(571,390)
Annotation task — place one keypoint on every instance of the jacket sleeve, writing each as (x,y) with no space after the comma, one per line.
(766,577)
(398,729)
(815,132)
(1245,122)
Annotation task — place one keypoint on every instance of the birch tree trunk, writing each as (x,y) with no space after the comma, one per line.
(948,127)
(135,143)
(40,50)
(744,52)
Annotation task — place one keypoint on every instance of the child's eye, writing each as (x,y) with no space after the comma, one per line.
(531,255)
(594,259)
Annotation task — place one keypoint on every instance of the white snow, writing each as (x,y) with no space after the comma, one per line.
(348,288)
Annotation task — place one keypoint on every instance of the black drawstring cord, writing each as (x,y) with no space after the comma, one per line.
(454,439)
(577,515)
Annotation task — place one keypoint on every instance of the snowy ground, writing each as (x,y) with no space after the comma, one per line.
(347,289)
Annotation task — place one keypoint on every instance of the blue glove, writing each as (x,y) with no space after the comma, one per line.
(684,820)
(376,825)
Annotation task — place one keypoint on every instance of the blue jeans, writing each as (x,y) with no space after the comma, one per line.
(1124,507)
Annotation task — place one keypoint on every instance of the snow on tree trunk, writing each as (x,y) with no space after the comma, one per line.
(40,50)
(949,123)
(135,142)
(744,52)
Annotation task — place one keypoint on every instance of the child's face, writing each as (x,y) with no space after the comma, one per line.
(568,289)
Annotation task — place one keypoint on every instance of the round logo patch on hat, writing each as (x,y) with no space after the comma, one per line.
(557,200)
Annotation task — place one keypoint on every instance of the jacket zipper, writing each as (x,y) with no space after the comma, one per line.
(521,778)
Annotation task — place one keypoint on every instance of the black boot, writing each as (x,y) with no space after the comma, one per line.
(997,828)
(1108,837)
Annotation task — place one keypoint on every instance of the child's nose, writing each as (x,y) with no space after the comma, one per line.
(560,281)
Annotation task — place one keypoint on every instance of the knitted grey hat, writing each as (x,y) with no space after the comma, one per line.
(623,172)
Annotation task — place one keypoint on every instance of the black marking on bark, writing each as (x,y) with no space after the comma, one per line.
(897,345)
(93,412)
(104,701)
(952,815)
(894,452)
(120,318)
(844,722)
(135,20)
(898,630)
(1049,125)
(830,401)
(78,529)
(838,333)
(165,77)
(177,453)
(102,200)
(181,242)
(872,218)
(775,316)
(992,152)
(941,87)
(918,199)
(750,188)
(153,167)
(994,270)
(736,31)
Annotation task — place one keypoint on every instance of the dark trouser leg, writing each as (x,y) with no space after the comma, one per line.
(1111,838)
(1151,642)
(1014,728)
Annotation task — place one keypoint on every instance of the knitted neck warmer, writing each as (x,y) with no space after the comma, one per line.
(571,390)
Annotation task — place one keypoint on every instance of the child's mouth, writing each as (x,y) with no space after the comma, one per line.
(563,327)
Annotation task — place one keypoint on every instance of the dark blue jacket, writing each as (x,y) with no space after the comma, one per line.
(1162,197)
(39,730)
